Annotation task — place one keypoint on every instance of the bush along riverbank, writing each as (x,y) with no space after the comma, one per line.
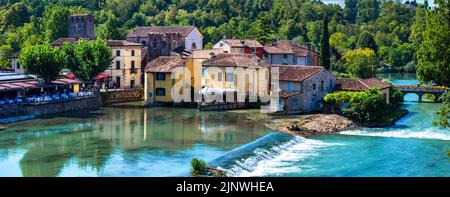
(351,110)
(200,169)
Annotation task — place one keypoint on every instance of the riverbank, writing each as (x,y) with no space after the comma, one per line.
(328,123)
(312,124)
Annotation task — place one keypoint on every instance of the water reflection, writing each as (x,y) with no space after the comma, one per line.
(103,140)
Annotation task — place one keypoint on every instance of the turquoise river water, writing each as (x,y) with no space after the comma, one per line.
(127,140)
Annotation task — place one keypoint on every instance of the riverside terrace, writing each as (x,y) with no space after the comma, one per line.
(17,90)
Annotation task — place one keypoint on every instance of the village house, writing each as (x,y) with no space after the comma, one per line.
(159,79)
(15,64)
(163,40)
(125,71)
(204,54)
(241,46)
(289,53)
(229,80)
(357,85)
(302,88)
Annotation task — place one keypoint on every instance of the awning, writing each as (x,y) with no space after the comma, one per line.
(66,81)
(19,85)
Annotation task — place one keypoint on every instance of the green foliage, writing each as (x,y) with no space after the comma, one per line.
(198,166)
(87,59)
(43,60)
(55,22)
(366,40)
(359,62)
(367,106)
(433,54)
(301,20)
(325,45)
(402,55)
(444,112)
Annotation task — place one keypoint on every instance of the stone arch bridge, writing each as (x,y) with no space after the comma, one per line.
(421,90)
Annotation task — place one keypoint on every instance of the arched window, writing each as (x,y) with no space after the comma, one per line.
(194,46)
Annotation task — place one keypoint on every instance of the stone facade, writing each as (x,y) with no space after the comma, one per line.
(161,44)
(126,70)
(81,26)
(312,90)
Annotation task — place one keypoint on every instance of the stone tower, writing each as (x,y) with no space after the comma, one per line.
(81,26)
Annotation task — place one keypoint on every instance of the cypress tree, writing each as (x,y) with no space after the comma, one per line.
(366,40)
(325,45)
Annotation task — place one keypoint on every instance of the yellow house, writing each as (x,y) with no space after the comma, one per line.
(125,71)
(237,72)
(160,79)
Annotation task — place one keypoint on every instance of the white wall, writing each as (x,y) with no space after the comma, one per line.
(224,46)
(14,62)
(194,37)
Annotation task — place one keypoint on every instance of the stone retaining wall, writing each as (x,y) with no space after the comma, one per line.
(31,111)
(120,96)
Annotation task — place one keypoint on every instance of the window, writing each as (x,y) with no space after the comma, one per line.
(331,84)
(314,86)
(294,101)
(203,72)
(117,82)
(133,69)
(144,43)
(117,52)
(118,65)
(321,85)
(160,76)
(194,46)
(221,44)
(219,76)
(18,65)
(253,50)
(229,77)
(285,56)
(132,84)
(289,86)
(132,52)
(160,92)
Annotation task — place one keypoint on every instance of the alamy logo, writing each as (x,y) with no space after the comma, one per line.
(227,85)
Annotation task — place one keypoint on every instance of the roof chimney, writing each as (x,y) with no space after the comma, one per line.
(211,55)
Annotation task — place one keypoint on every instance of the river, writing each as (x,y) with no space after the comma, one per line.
(127,140)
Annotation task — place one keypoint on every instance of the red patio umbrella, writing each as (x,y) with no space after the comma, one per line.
(101,76)
(70,75)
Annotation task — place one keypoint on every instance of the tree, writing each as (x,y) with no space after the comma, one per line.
(325,45)
(55,22)
(402,55)
(366,40)
(433,54)
(15,16)
(87,59)
(43,60)
(359,62)
(111,29)
(350,10)
(368,10)
(444,112)
(418,27)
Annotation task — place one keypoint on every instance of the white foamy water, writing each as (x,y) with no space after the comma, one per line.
(428,133)
(278,159)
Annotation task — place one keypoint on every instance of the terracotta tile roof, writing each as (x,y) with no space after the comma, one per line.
(204,54)
(275,50)
(297,73)
(289,45)
(235,60)
(242,43)
(122,43)
(144,31)
(165,64)
(347,84)
(285,93)
(61,41)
